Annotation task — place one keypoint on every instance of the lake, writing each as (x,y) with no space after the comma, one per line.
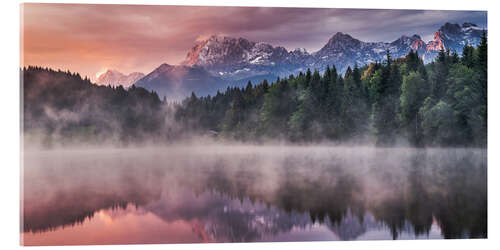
(251,193)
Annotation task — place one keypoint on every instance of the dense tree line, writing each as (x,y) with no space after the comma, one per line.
(62,106)
(443,103)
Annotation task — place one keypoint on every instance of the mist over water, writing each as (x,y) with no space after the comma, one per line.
(322,154)
(245,193)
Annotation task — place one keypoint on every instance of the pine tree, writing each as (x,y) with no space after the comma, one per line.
(235,114)
(412,98)
(468,56)
(441,69)
(386,102)
(482,65)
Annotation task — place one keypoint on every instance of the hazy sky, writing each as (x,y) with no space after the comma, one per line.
(91,38)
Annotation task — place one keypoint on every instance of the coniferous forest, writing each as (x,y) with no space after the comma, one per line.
(168,124)
(63,107)
(443,103)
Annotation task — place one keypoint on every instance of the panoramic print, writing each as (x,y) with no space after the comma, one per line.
(165,124)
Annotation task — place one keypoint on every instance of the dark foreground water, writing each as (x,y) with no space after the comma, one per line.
(251,193)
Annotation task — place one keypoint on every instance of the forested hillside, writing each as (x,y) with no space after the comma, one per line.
(64,107)
(443,103)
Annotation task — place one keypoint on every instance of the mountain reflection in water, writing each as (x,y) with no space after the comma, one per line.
(252,193)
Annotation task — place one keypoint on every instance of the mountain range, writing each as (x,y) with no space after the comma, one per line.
(220,61)
(116,78)
(175,82)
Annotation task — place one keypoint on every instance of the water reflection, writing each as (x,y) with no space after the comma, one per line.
(245,193)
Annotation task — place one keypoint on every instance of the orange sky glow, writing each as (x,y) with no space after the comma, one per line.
(90,39)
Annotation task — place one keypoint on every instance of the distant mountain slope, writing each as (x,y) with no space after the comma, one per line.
(221,61)
(177,82)
(342,50)
(238,58)
(116,78)
(453,37)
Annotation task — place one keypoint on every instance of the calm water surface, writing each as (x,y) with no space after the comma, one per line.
(251,193)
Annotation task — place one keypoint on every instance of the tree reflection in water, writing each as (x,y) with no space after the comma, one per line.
(242,194)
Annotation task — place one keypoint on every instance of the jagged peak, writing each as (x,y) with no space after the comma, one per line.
(450,28)
(448,24)
(300,50)
(415,36)
(407,39)
(340,38)
(340,35)
(114,77)
(165,67)
(468,24)
(108,73)
(215,37)
(116,72)
(223,54)
(218,38)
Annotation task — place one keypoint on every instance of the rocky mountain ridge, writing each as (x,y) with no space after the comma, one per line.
(116,78)
(221,61)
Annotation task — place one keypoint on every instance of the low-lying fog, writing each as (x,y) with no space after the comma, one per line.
(237,192)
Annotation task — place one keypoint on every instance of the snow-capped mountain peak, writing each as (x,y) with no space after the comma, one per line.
(300,51)
(115,78)
(341,41)
(215,49)
(454,37)
(238,60)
